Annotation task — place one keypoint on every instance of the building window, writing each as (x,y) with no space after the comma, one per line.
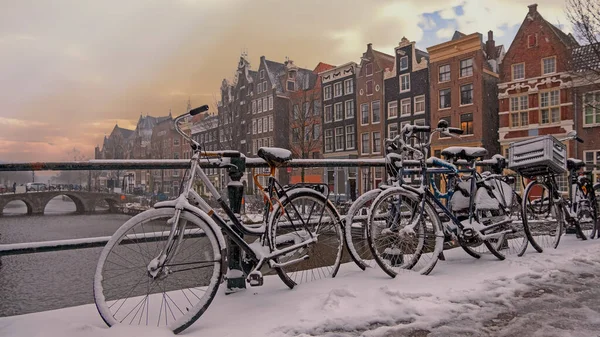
(404,82)
(328,115)
(350,137)
(316,131)
(466,94)
(328,140)
(466,123)
(445,95)
(369,87)
(550,107)
(365,143)
(339,111)
(404,63)
(254,126)
(253,107)
(549,65)
(295,135)
(260,105)
(375,106)
(364,114)
(591,106)
(420,122)
(376,142)
(518,71)
(265,103)
(296,112)
(466,67)
(369,69)
(265,122)
(392,130)
(270,123)
(260,125)
(393,109)
(349,84)
(271,102)
(519,116)
(339,138)
(175,141)
(349,109)
(327,92)
(419,104)
(531,40)
(337,89)
(175,155)
(305,110)
(262,74)
(405,107)
(316,108)
(593,158)
(444,73)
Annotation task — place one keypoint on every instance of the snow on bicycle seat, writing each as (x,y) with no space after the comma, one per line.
(574,164)
(464,152)
(275,156)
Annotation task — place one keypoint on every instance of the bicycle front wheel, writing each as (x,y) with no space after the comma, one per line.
(302,215)
(542,216)
(356,228)
(402,235)
(126,292)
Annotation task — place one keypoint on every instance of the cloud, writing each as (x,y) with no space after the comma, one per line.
(19,123)
(445,33)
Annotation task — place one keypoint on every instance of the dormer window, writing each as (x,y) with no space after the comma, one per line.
(291,85)
(369,69)
(262,74)
(292,75)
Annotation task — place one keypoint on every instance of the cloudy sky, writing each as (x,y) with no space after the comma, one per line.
(71,69)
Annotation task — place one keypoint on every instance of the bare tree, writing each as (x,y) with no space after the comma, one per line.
(584,15)
(305,125)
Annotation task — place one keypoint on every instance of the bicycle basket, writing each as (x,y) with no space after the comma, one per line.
(538,156)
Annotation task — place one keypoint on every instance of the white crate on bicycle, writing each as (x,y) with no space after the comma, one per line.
(538,156)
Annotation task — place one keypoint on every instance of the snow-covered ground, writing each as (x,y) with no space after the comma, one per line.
(551,294)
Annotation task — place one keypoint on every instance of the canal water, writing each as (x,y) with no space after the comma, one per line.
(53,280)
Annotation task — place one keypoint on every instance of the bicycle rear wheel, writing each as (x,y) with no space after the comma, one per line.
(397,247)
(126,292)
(356,228)
(542,216)
(302,215)
(586,203)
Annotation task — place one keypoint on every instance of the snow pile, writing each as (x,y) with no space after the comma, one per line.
(462,296)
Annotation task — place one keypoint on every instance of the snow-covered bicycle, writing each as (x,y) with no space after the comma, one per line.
(163,267)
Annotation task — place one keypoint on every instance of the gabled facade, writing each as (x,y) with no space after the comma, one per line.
(206,133)
(339,132)
(166,143)
(369,113)
(463,89)
(586,101)
(534,93)
(306,136)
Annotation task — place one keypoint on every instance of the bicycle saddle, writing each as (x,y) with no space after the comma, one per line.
(574,164)
(275,156)
(464,152)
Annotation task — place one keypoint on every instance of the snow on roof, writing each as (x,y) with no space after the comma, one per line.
(586,57)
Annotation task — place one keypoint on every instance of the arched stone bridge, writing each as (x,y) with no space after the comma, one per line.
(84,201)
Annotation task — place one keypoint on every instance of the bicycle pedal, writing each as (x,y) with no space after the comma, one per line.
(255,278)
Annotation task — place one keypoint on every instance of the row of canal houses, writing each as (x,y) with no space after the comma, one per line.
(539,85)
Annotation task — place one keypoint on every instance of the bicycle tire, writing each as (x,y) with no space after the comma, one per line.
(148,247)
(358,245)
(596,211)
(429,240)
(548,237)
(327,265)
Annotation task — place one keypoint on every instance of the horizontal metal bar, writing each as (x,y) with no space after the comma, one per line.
(160,164)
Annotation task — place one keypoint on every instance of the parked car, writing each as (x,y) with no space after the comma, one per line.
(4,189)
(30,187)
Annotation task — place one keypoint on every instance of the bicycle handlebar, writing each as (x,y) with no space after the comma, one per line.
(198,110)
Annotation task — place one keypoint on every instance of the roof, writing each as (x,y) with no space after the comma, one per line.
(274,70)
(567,39)
(383,60)
(457,35)
(586,57)
(497,52)
(322,67)
(124,132)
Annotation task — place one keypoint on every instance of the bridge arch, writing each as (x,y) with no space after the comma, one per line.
(80,205)
(111,201)
(28,204)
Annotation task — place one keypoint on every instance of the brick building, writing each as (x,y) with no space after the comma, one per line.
(370,100)
(463,90)
(339,127)
(534,93)
(206,132)
(166,143)
(305,126)
(586,100)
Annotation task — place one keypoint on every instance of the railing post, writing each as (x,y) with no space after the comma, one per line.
(235,192)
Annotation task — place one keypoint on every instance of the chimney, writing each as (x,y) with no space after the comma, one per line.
(490,46)
(369,46)
(532,8)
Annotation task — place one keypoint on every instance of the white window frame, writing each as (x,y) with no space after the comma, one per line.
(472,94)
(341,134)
(543,65)
(265,103)
(367,67)
(362,147)
(350,145)
(417,112)
(335,115)
(260,124)
(254,127)
(351,87)
(595,161)
(440,73)
(519,110)
(403,103)
(512,71)
(549,107)
(253,106)
(401,59)
(408,81)
(341,86)
(270,123)
(271,102)
(392,105)
(389,130)
(368,113)
(327,92)
(373,142)
(460,75)
(325,115)
(346,109)
(595,108)
(373,112)
(328,134)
